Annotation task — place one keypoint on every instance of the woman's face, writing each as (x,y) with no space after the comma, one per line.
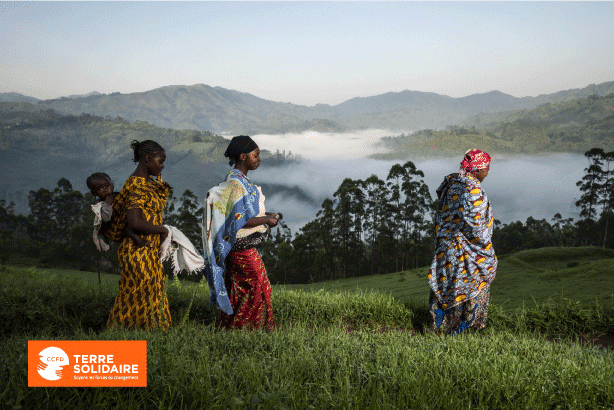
(482,173)
(155,163)
(252,160)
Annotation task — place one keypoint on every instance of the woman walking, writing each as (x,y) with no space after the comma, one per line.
(233,224)
(465,263)
(142,301)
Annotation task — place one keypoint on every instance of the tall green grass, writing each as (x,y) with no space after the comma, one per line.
(299,367)
(349,350)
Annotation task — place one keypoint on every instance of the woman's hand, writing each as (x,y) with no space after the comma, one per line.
(163,235)
(272,220)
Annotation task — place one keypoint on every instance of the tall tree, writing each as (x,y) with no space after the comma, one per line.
(378,213)
(591,187)
(607,193)
(395,178)
(416,207)
(41,214)
(590,184)
(349,211)
(189,218)
(67,204)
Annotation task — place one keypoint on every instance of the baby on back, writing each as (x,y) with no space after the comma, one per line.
(101,186)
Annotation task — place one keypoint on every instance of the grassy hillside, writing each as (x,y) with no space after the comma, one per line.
(581,274)
(352,350)
(38,147)
(524,278)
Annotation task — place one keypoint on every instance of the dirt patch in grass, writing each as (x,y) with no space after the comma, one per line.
(606,341)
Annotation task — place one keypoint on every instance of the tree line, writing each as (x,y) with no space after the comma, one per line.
(58,230)
(375,226)
(370,226)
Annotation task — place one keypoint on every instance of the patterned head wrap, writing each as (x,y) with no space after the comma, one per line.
(474,159)
(241,144)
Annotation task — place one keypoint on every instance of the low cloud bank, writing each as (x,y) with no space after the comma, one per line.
(518,187)
(316,145)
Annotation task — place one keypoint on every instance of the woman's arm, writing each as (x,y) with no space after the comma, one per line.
(135,221)
(474,214)
(270,220)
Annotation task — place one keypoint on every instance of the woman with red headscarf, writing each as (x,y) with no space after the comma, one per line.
(465,263)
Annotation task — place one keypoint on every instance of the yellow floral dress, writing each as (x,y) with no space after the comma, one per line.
(142,301)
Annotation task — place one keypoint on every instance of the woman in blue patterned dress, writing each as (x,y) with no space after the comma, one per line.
(465,263)
(234,220)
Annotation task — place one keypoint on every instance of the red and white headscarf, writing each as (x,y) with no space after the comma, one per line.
(474,159)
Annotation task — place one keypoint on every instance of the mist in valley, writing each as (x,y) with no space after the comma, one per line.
(517,186)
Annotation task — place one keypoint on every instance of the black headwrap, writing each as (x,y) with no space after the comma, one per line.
(241,144)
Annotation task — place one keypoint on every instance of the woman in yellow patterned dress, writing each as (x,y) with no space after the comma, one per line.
(142,301)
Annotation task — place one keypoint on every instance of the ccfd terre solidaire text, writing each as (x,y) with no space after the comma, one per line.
(101,364)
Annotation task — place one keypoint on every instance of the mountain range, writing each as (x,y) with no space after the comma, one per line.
(43,141)
(229,112)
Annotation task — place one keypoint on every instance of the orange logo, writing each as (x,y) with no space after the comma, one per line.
(57,363)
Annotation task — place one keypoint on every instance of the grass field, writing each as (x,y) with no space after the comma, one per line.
(336,344)
(582,274)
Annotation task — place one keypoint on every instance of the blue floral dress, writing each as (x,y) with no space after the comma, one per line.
(465,263)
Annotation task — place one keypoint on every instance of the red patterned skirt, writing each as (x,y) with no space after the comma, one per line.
(249,291)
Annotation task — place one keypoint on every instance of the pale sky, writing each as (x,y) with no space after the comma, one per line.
(305,52)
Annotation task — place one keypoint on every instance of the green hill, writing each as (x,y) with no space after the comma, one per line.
(39,146)
(569,126)
(221,110)
(349,350)
(582,274)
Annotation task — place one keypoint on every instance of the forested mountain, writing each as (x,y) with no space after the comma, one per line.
(200,107)
(16,97)
(570,126)
(232,112)
(39,147)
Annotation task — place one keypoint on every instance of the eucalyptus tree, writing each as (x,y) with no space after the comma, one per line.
(328,239)
(411,215)
(565,232)
(67,203)
(395,178)
(591,187)
(377,222)
(350,213)
(309,255)
(590,184)
(189,217)
(415,211)
(607,193)
(41,215)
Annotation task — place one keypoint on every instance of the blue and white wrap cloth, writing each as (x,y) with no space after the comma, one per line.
(228,207)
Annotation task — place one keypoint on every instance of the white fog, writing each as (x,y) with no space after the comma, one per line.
(517,186)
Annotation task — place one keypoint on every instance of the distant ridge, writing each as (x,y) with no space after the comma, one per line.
(83,95)
(16,97)
(227,111)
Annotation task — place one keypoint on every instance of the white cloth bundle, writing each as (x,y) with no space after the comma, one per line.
(100,215)
(182,252)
